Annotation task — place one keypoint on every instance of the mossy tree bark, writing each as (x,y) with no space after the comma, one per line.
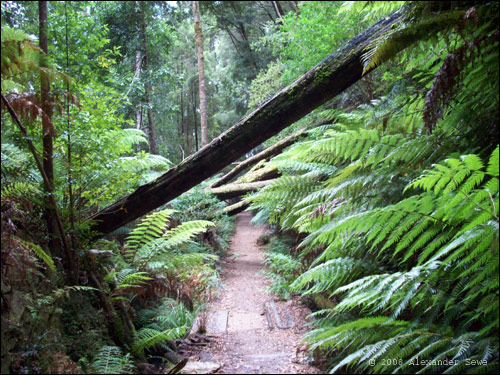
(235,208)
(265,154)
(237,190)
(329,78)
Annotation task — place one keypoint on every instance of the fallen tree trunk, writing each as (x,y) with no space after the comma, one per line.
(235,208)
(237,190)
(260,174)
(327,79)
(267,153)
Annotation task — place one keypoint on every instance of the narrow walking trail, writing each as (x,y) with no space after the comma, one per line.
(241,341)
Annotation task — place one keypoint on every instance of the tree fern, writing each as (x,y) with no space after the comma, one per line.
(465,249)
(404,216)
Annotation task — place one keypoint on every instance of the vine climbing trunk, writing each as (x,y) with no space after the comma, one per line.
(201,73)
(329,78)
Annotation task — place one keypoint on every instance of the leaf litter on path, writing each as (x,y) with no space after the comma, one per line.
(247,345)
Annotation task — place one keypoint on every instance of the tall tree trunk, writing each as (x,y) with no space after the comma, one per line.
(185,125)
(277,9)
(180,126)
(138,112)
(201,73)
(47,128)
(69,148)
(72,273)
(48,132)
(330,77)
(153,148)
(58,242)
(193,103)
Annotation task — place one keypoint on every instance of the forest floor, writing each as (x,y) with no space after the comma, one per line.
(239,338)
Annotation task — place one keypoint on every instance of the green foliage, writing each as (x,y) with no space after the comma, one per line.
(110,360)
(39,252)
(373,10)
(147,338)
(388,45)
(283,266)
(319,30)
(151,228)
(156,262)
(15,163)
(152,245)
(167,321)
(398,199)
(197,204)
(402,217)
(154,253)
(166,315)
(21,60)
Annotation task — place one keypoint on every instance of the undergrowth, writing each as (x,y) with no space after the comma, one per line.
(398,203)
(282,267)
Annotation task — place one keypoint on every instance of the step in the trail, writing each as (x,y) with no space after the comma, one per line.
(245,321)
(262,357)
(217,322)
(269,363)
(270,309)
(194,367)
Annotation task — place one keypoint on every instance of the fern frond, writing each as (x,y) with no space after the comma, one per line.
(331,274)
(22,189)
(144,161)
(184,232)
(39,252)
(492,169)
(146,338)
(387,46)
(152,226)
(110,360)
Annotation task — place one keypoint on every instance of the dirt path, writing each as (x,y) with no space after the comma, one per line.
(241,339)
